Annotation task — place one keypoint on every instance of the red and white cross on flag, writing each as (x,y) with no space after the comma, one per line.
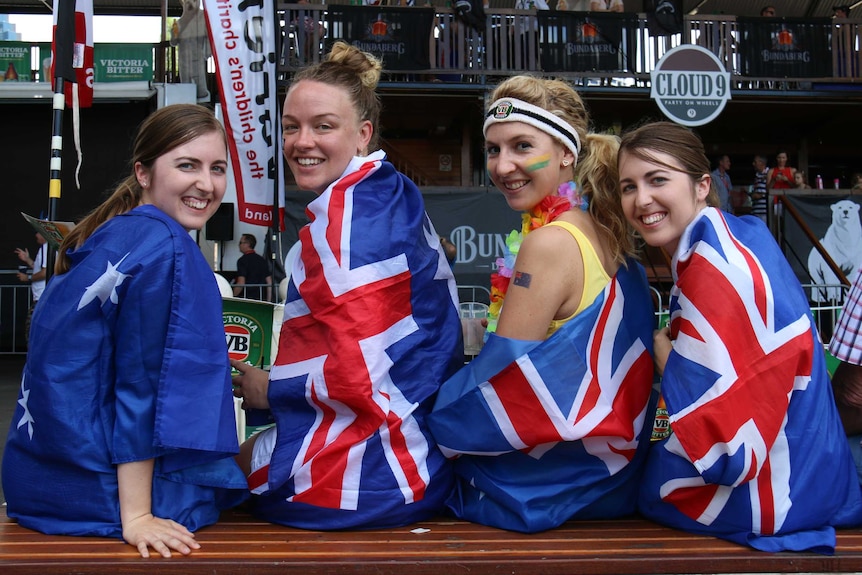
(72,50)
(733,432)
(607,413)
(357,312)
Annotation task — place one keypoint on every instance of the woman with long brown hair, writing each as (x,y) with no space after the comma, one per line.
(124,425)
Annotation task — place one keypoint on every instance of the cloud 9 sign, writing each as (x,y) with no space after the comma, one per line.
(690,85)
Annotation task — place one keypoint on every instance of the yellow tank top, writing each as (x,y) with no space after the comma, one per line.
(595,276)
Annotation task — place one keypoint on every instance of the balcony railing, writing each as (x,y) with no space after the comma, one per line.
(515,41)
(615,51)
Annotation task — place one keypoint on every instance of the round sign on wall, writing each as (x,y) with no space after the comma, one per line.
(690,85)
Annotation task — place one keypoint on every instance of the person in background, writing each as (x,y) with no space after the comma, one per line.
(607,6)
(799,181)
(781,177)
(37,275)
(548,422)
(723,186)
(370,329)
(768,11)
(252,272)
(753,424)
(189,33)
(573,5)
(759,191)
(450,250)
(840,67)
(125,423)
(526,50)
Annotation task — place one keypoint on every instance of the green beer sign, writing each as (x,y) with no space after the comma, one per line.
(248,330)
(123,62)
(15,62)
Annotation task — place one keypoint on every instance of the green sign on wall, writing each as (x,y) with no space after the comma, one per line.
(15,61)
(123,62)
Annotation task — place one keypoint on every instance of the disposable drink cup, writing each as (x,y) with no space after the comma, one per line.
(472,316)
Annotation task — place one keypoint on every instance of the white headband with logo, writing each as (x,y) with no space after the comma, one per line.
(513,110)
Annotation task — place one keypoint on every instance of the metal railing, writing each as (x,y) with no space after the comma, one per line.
(254,289)
(476,293)
(14,305)
(512,42)
(826,301)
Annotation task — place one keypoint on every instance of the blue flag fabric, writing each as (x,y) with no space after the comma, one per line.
(127,362)
(370,331)
(554,430)
(757,453)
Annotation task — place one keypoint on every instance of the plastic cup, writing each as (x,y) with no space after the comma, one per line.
(472,314)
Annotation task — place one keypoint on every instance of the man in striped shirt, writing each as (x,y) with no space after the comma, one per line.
(759,192)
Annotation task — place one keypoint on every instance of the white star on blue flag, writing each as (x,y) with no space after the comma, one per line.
(27,418)
(105,286)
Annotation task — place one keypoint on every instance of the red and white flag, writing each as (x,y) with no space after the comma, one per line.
(72,49)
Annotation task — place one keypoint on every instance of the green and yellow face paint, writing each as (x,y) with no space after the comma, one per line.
(538,162)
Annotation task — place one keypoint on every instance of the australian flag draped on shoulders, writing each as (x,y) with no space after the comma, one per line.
(757,453)
(370,331)
(553,430)
(127,361)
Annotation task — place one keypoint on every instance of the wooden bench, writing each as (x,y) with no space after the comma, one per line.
(239,544)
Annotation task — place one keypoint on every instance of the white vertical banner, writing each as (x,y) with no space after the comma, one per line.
(243,40)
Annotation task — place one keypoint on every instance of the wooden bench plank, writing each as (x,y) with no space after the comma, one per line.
(239,544)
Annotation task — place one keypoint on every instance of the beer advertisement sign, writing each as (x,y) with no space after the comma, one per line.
(15,62)
(248,330)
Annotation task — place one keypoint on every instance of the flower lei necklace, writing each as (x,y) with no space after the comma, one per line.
(545,212)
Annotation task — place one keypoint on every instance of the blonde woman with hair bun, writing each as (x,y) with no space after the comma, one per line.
(370,325)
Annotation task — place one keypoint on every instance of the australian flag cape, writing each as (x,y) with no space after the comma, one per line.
(553,430)
(370,331)
(127,361)
(757,453)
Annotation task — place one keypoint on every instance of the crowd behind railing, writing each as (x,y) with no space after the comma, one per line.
(617,50)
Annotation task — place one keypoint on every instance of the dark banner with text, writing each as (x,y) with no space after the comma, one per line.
(398,36)
(785,47)
(476,222)
(586,41)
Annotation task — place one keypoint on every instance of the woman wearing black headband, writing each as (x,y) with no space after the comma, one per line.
(549,420)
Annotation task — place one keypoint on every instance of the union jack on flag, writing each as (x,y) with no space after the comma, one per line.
(749,401)
(370,331)
(561,421)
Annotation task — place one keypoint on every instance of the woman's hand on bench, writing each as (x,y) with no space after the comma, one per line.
(161,534)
